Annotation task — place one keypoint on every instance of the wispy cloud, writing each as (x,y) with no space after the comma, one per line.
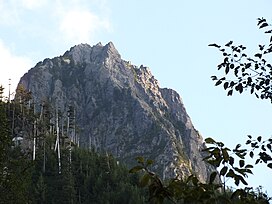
(81,25)
(62,21)
(9,13)
(33,4)
(78,22)
(44,27)
(12,67)
(74,21)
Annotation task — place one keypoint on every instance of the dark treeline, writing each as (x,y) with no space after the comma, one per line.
(91,178)
(40,161)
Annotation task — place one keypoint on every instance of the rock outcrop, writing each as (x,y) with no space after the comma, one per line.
(120,108)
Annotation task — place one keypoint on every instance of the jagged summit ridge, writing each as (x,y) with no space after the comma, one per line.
(120,108)
(86,53)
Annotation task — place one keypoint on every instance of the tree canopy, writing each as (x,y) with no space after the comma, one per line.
(41,163)
(243,72)
(240,73)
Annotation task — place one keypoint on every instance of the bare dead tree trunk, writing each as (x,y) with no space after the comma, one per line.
(57,145)
(34,134)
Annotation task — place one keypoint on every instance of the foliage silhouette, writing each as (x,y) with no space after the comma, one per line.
(240,74)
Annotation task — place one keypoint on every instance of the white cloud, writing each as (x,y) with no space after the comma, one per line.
(79,26)
(12,11)
(63,21)
(33,4)
(44,26)
(12,67)
(8,13)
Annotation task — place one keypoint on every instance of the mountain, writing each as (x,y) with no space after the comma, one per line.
(120,108)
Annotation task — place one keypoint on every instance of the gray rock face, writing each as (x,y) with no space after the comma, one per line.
(120,108)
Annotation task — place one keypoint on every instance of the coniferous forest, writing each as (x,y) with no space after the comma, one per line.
(41,161)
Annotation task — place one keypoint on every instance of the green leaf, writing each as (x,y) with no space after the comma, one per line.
(248,142)
(218,82)
(223,171)
(230,173)
(267,81)
(209,140)
(140,160)
(248,171)
(195,181)
(227,69)
(242,180)
(225,154)
(248,166)
(251,154)
(226,85)
(249,80)
(269,146)
(212,177)
(238,146)
(261,20)
(220,144)
(229,43)
(144,180)
(263,25)
(149,162)
(239,88)
(258,55)
(269,31)
(214,45)
(236,72)
(269,165)
(259,138)
(241,163)
(231,161)
(236,181)
(230,92)
(214,77)
(135,169)
(216,152)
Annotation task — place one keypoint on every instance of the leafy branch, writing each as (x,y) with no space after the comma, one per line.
(191,190)
(221,156)
(263,148)
(175,190)
(246,72)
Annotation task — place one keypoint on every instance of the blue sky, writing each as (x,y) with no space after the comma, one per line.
(170,37)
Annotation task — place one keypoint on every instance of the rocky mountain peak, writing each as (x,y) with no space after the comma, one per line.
(111,48)
(84,53)
(120,108)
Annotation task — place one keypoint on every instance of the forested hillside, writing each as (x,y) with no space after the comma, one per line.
(39,163)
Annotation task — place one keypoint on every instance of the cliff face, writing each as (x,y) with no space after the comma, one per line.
(120,108)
